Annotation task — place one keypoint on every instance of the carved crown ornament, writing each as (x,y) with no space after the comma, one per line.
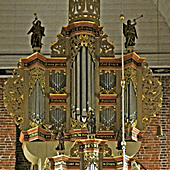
(84,10)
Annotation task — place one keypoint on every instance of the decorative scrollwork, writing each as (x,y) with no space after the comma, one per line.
(106,48)
(151,95)
(81,40)
(14,96)
(77,124)
(106,128)
(59,47)
(131,75)
(35,74)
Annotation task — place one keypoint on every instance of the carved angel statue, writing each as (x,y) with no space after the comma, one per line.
(37,32)
(56,134)
(130,33)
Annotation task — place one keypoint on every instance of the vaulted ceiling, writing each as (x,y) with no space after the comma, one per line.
(153,29)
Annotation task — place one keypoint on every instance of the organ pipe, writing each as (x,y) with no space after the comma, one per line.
(82,79)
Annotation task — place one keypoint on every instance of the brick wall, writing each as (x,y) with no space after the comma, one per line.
(155,151)
(7,135)
(21,162)
(11,154)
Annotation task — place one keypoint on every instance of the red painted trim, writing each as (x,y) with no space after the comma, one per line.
(108,96)
(43,58)
(57,104)
(107,104)
(83,23)
(57,96)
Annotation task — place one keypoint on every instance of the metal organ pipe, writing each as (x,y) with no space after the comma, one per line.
(89,66)
(37,100)
(73,94)
(92,83)
(83,82)
(78,86)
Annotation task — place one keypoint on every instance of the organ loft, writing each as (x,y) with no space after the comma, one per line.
(69,106)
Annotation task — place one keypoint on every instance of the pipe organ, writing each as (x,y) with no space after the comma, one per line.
(51,98)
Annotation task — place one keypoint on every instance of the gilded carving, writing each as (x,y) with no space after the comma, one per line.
(106,128)
(151,95)
(81,40)
(131,75)
(59,47)
(74,151)
(36,73)
(106,48)
(77,124)
(47,165)
(14,96)
(58,106)
(91,157)
(33,124)
(107,151)
(80,9)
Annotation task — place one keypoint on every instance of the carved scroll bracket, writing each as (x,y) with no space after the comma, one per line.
(151,95)
(14,96)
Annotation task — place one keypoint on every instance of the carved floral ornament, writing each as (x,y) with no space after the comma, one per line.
(14,96)
(151,95)
(14,92)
